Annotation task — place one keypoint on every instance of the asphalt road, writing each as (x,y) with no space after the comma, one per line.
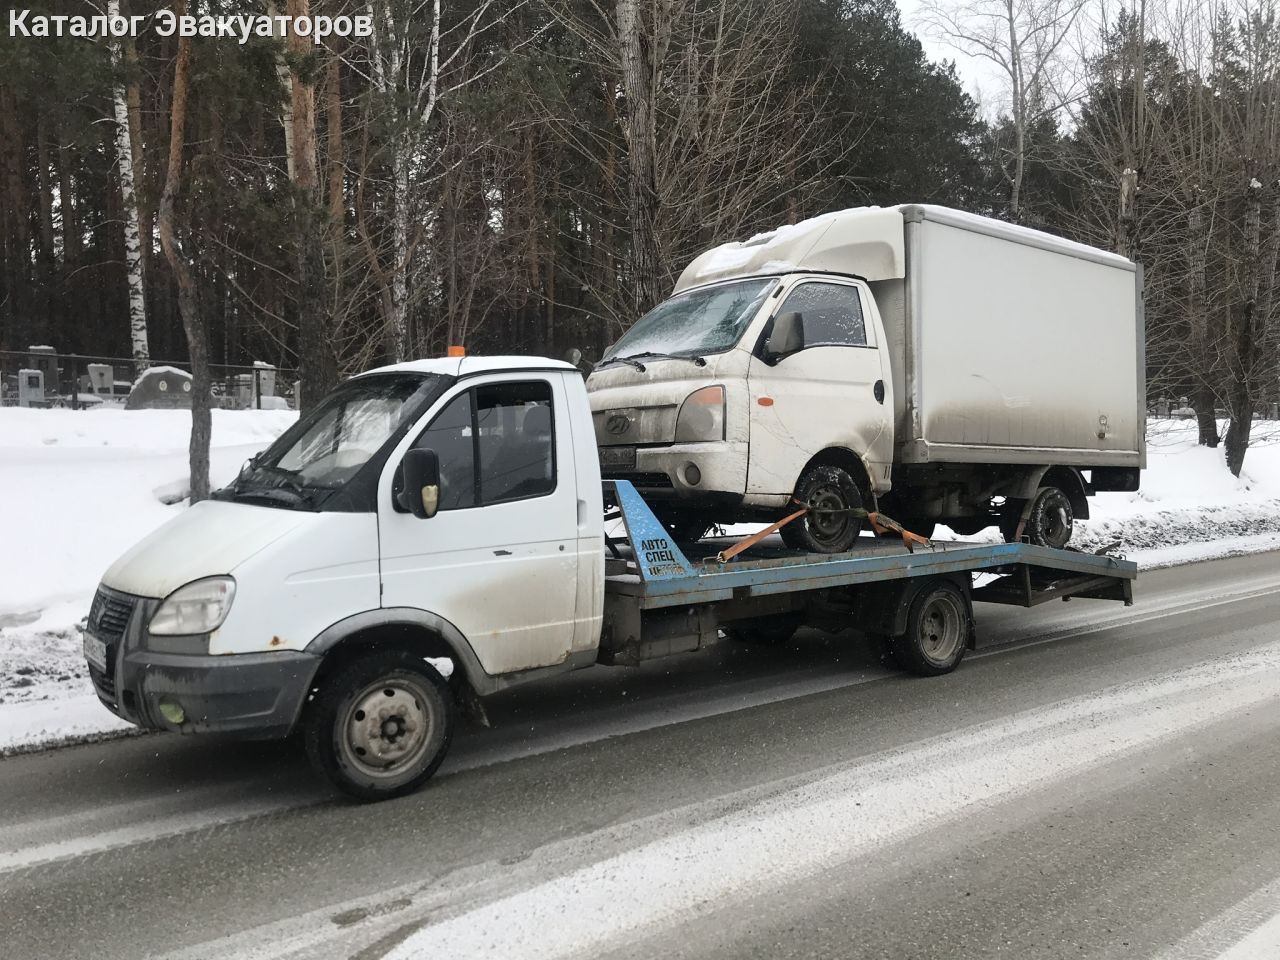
(1094,781)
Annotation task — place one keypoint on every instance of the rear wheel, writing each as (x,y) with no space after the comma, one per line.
(380,726)
(937,631)
(831,525)
(1050,520)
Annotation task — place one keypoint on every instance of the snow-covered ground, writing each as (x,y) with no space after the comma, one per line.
(78,487)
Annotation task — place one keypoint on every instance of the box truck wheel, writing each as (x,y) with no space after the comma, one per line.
(937,631)
(380,725)
(1049,519)
(832,524)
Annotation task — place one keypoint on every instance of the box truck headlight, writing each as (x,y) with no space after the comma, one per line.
(701,416)
(199,607)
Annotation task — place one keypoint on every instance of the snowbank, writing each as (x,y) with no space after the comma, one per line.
(78,487)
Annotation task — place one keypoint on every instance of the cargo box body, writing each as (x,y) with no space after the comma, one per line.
(1011,346)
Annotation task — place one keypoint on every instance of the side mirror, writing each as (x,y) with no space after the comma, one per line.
(574,356)
(786,338)
(420,483)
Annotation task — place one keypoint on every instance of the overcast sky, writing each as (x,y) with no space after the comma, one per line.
(981,78)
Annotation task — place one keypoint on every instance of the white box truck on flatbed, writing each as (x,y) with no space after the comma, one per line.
(948,367)
(453,510)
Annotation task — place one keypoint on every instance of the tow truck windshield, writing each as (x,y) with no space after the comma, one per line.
(334,441)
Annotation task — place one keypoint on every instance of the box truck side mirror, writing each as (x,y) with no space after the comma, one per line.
(420,483)
(786,338)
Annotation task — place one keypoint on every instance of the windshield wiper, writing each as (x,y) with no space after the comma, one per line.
(629,361)
(696,361)
(245,487)
(634,359)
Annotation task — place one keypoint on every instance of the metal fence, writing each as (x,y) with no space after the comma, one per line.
(42,377)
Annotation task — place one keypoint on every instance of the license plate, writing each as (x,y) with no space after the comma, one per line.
(95,651)
(618,458)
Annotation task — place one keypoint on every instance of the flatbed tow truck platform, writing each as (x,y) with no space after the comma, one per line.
(664,598)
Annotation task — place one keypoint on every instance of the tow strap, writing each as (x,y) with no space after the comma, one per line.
(880,523)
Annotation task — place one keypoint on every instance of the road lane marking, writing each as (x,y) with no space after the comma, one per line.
(1249,930)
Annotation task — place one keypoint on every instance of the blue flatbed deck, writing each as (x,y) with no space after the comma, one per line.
(654,572)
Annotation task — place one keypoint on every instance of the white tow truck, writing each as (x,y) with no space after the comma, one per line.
(436,531)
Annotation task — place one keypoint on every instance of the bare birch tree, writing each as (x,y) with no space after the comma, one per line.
(1025,40)
(133,256)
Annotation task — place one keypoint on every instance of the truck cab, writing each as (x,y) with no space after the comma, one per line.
(717,402)
(222,619)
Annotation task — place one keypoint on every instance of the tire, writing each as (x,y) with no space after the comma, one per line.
(825,486)
(937,634)
(1050,520)
(415,728)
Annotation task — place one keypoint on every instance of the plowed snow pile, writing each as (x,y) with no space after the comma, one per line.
(78,487)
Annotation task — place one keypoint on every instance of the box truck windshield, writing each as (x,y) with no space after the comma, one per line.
(334,441)
(702,321)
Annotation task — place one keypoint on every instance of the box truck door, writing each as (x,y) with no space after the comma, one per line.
(499,560)
(834,392)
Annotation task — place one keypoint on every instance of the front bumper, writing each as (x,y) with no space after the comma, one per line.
(662,473)
(258,695)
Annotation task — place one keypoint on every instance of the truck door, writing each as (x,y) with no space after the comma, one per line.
(833,393)
(499,559)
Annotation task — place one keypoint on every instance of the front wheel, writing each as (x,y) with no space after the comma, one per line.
(379,727)
(937,634)
(834,520)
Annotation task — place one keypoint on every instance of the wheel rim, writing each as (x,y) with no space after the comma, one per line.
(387,727)
(828,526)
(940,633)
(1055,523)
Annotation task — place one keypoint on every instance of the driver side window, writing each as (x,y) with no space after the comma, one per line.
(832,314)
(496,443)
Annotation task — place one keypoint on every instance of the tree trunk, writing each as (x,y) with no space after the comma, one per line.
(1204,403)
(188,303)
(1018,96)
(1244,336)
(642,186)
(316,361)
(1202,400)
(336,149)
(128,196)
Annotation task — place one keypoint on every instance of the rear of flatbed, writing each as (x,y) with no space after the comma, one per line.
(660,601)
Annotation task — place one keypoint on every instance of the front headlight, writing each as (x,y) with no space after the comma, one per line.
(199,607)
(701,416)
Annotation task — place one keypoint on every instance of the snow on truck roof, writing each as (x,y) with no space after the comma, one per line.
(866,241)
(464,366)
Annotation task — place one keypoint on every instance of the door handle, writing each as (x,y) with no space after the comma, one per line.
(878,391)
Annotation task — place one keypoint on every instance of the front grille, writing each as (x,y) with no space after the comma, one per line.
(104,683)
(109,618)
(109,615)
(650,480)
